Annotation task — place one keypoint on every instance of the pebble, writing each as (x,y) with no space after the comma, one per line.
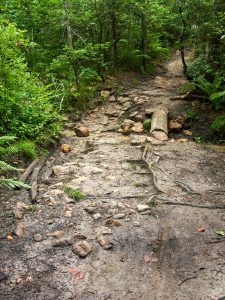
(119,216)
(142,207)
(97,216)
(57,234)
(82,249)
(37,237)
(90,209)
(105,243)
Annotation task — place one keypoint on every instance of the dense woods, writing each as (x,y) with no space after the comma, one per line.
(54,53)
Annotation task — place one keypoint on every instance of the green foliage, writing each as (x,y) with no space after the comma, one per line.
(147,124)
(12,184)
(191,115)
(218,99)
(77,195)
(4,167)
(219,125)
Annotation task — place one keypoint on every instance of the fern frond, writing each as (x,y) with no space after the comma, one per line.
(25,148)
(4,167)
(12,184)
(7,139)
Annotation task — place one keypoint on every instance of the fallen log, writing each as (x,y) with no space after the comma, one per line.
(159,125)
(23,177)
(34,180)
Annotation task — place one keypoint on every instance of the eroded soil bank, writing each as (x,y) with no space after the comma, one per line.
(168,249)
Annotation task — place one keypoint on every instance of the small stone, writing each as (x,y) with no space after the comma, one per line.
(81,131)
(126,130)
(18,214)
(9,237)
(149,112)
(82,248)
(80,236)
(128,122)
(187,132)
(105,94)
(97,216)
(137,128)
(20,230)
(103,230)
(57,234)
(63,170)
(90,209)
(175,126)
(112,98)
(137,224)
(119,216)
(65,148)
(37,237)
(142,207)
(105,243)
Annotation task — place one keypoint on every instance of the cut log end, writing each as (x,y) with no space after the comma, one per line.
(159,135)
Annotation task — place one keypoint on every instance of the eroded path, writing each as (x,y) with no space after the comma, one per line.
(155,253)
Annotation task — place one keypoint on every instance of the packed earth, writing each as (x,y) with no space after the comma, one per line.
(120,214)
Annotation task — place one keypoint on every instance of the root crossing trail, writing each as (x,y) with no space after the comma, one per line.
(136,251)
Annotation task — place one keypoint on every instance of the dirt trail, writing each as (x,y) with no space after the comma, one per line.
(156,253)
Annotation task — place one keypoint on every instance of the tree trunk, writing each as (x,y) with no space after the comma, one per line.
(182,39)
(113,34)
(144,40)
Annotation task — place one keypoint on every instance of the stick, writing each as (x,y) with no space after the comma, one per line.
(29,170)
(34,180)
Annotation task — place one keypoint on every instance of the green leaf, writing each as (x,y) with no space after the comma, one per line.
(220,232)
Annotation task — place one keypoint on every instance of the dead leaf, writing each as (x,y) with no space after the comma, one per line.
(9,237)
(200,229)
(77,274)
(150,259)
(113,222)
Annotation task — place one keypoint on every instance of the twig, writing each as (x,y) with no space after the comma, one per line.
(29,170)
(186,279)
(191,205)
(34,180)
(186,187)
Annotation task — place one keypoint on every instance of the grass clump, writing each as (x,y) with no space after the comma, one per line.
(75,194)
(147,124)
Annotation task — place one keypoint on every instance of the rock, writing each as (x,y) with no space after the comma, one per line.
(80,236)
(104,120)
(20,230)
(119,216)
(138,140)
(97,216)
(123,99)
(103,230)
(18,213)
(127,105)
(65,242)
(137,128)
(126,130)
(175,126)
(90,209)
(37,237)
(89,170)
(82,249)
(142,208)
(57,234)
(63,170)
(105,95)
(182,140)
(155,142)
(187,132)
(149,112)
(112,98)
(128,122)
(140,117)
(137,224)
(81,131)
(65,148)
(105,243)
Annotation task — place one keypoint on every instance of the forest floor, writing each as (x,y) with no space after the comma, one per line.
(173,248)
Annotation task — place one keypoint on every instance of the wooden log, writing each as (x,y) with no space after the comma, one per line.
(34,180)
(23,177)
(159,125)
